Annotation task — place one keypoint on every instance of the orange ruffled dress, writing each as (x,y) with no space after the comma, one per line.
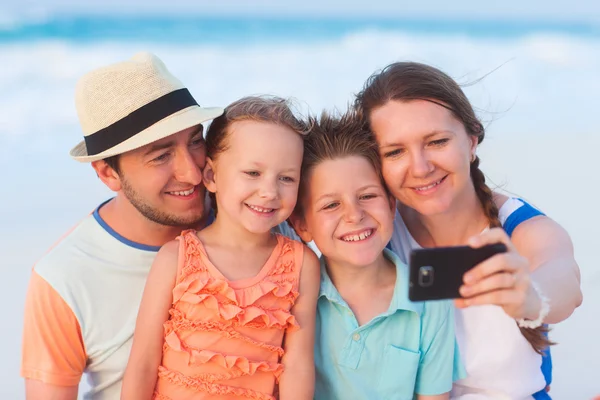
(223,339)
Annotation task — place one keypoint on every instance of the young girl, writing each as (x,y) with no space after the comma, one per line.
(372,342)
(237,302)
(428,135)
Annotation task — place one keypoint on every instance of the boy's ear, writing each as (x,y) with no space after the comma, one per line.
(299,224)
(107,175)
(208,176)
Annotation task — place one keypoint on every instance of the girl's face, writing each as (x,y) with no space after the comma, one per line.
(256,177)
(426,154)
(347,212)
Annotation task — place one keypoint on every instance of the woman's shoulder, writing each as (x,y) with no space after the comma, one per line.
(514,211)
(508,204)
(500,199)
(530,228)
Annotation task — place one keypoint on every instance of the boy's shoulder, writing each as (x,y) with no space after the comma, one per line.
(437,311)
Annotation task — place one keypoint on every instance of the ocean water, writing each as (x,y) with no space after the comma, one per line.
(535,84)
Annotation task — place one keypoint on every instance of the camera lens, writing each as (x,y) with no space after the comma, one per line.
(426,276)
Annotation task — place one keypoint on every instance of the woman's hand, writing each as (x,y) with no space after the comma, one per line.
(503,280)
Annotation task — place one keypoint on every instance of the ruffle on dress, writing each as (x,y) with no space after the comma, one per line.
(207,384)
(216,295)
(205,302)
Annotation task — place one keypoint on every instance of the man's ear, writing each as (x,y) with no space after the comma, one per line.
(208,176)
(299,224)
(107,175)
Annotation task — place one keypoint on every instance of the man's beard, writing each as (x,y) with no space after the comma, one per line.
(154,214)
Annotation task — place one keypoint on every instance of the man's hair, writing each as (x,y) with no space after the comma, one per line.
(113,162)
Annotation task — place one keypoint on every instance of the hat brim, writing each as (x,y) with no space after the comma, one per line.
(174,123)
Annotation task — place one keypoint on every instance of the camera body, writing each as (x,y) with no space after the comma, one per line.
(437,273)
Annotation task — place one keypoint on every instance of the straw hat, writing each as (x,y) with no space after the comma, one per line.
(127,105)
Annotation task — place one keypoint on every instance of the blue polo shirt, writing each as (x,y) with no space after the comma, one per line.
(406,350)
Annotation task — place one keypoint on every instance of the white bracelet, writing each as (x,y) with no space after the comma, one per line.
(544,310)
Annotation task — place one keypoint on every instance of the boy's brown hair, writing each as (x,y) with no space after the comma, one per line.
(333,136)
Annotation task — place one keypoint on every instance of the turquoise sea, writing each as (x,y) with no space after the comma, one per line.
(197,29)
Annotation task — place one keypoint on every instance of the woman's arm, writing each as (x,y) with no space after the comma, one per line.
(552,263)
(540,251)
(298,379)
(146,352)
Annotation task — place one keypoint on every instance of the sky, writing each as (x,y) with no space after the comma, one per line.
(561,10)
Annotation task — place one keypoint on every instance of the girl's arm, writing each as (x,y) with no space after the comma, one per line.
(298,379)
(540,251)
(146,352)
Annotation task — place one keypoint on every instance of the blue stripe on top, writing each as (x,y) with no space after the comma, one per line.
(522,214)
(120,238)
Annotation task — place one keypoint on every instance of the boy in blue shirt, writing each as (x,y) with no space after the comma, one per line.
(371,341)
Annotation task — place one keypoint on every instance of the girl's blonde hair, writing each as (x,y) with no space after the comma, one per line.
(271,109)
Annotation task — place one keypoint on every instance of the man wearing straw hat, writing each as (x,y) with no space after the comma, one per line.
(143,136)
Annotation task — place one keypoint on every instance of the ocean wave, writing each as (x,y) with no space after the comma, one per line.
(42,24)
(540,84)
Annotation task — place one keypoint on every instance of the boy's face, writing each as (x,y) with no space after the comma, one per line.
(347,211)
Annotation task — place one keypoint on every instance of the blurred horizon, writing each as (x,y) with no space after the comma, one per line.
(532,10)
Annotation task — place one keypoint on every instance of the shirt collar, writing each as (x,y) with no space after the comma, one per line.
(327,288)
(400,301)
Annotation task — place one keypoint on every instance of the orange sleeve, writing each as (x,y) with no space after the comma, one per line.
(53,350)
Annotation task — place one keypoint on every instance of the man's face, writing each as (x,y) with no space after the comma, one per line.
(163,180)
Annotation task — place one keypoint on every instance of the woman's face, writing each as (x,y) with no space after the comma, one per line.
(426,154)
